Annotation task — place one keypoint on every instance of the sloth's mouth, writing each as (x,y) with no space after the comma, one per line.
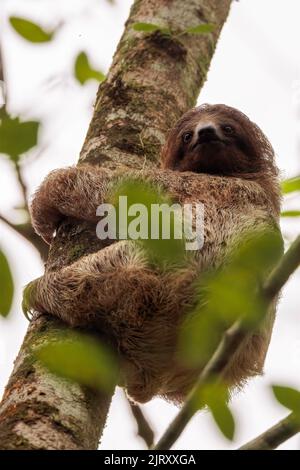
(209,139)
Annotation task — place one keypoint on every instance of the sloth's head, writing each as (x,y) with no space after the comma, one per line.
(218,140)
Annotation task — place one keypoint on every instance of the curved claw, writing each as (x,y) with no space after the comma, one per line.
(28,299)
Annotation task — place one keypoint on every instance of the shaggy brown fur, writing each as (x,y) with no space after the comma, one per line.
(140,307)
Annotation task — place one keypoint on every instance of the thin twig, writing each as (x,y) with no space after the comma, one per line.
(144,429)
(231,341)
(276,435)
(229,345)
(7,222)
(2,78)
(27,232)
(22,185)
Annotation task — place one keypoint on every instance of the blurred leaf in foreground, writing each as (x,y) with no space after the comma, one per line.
(158,227)
(215,396)
(228,294)
(290,185)
(288,397)
(290,214)
(30,31)
(83,71)
(6,286)
(81,359)
(17,137)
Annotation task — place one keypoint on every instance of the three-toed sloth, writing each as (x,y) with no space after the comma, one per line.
(214,155)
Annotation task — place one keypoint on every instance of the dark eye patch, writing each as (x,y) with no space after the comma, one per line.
(243,145)
(228,129)
(187,137)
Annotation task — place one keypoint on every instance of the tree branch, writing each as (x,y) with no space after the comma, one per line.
(276,435)
(144,429)
(153,80)
(229,345)
(10,224)
(27,232)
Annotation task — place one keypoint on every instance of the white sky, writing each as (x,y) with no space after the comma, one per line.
(256,68)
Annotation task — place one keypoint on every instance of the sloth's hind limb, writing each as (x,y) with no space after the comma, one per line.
(97,288)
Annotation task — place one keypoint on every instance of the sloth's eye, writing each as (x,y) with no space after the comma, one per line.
(187,137)
(228,129)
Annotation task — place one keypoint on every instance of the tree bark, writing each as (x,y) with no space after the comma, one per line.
(153,80)
(276,435)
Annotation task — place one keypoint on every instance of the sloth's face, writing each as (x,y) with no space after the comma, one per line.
(217,140)
(214,145)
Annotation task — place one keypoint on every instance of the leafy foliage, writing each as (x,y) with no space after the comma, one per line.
(215,396)
(17,137)
(160,250)
(81,359)
(288,397)
(229,294)
(6,286)
(30,31)
(83,70)
(290,185)
(290,214)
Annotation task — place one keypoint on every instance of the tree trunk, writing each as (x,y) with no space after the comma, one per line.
(153,80)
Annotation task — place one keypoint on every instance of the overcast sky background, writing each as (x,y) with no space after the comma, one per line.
(256,68)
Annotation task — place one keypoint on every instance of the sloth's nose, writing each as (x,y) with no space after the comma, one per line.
(207,133)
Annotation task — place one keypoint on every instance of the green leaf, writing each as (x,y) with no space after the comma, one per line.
(146,27)
(290,214)
(6,286)
(150,28)
(30,31)
(288,397)
(228,294)
(83,70)
(215,396)
(17,137)
(223,418)
(259,251)
(81,359)
(203,28)
(166,248)
(290,185)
